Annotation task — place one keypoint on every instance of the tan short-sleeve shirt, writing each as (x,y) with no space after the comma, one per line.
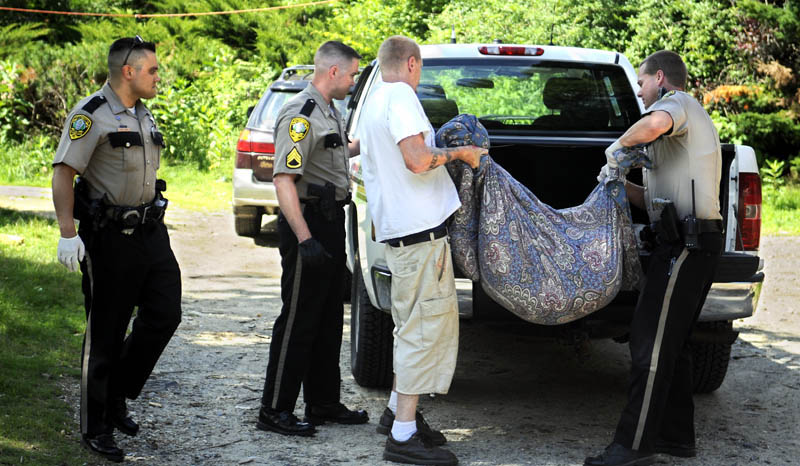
(690,151)
(116,151)
(310,142)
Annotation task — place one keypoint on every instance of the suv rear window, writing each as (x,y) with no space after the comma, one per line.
(528,95)
(265,115)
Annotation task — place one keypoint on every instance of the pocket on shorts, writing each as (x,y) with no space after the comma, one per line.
(436,316)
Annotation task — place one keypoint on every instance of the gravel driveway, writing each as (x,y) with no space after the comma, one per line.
(515,399)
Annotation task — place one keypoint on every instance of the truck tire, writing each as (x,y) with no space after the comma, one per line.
(247,221)
(370,338)
(710,360)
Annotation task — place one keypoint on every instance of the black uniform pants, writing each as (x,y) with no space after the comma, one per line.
(120,272)
(307,335)
(660,404)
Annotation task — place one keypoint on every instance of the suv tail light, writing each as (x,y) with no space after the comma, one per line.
(255,155)
(510,50)
(243,149)
(749,214)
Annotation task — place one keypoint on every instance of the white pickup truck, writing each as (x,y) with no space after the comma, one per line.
(550,113)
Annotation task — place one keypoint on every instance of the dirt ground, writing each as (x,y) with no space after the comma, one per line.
(515,399)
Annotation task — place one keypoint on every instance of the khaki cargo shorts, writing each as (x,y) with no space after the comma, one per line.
(425,314)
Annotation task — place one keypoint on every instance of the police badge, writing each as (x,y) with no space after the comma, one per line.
(79,126)
(298,128)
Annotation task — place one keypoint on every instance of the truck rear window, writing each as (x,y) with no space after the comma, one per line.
(528,95)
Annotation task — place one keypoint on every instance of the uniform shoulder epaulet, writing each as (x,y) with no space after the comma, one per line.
(93,104)
(308,108)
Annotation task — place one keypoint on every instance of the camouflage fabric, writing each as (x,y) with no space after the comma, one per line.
(545,265)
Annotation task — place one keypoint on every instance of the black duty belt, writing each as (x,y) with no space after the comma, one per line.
(316,200)
(414,238)
(709,226)
(130,217)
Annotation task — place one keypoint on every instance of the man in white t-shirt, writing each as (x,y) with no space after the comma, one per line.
(410,197)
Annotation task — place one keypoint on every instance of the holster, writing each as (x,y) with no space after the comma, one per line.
(326,199)
(86,209)
(666,228)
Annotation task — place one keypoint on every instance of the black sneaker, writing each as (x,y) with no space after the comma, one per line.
(681,450)
(338,413)
(617,455)
(118,417)
(417,450)
(283,422)
(103,445)
(434,436)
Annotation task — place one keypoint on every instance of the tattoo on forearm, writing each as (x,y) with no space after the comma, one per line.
(434,160)
(447,154)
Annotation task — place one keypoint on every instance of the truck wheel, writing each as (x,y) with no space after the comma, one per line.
(370,338)
(247,221)
(710,360)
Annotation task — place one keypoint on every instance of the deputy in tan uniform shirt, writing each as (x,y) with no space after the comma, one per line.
(122,248)
(685,151)
(311,178)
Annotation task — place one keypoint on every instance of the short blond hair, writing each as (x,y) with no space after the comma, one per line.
(395,52)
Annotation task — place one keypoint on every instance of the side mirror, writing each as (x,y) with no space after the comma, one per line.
(250,110)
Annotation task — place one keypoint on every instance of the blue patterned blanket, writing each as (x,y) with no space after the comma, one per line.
(547,266)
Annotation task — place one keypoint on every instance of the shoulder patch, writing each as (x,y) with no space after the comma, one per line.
(294,159)
(79,126)
(298,128)
(92,104)
(668,94)
(308,107)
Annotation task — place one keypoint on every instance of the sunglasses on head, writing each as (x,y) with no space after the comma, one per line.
(137,41)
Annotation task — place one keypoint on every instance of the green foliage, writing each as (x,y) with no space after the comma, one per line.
(15,36)
(201,118)
(591,23)
(213,67)
(781,211)
(772,173)
(770,134)
(28,163)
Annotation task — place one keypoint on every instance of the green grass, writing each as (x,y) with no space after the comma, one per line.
(41,328)
(193,189)
(781,210)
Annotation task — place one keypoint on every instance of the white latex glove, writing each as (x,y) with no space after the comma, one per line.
(71,252)
(603,175)
(610,159)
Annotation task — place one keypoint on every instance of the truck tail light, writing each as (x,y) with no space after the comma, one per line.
(243,149)
(510,50)
(749,214)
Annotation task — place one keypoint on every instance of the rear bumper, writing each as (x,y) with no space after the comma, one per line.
(249,192)
(731,301)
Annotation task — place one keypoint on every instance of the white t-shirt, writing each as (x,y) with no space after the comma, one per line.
(400,202)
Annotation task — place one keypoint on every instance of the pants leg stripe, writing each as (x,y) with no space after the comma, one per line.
(648,393)
(87,349)
(287,334)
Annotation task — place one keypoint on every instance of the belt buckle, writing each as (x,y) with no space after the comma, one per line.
(125,222)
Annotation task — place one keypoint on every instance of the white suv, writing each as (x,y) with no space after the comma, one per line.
(253,191)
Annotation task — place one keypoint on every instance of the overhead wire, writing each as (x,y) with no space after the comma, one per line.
(165,15)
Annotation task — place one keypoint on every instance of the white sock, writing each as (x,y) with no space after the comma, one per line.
(402,431)
(393,402)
